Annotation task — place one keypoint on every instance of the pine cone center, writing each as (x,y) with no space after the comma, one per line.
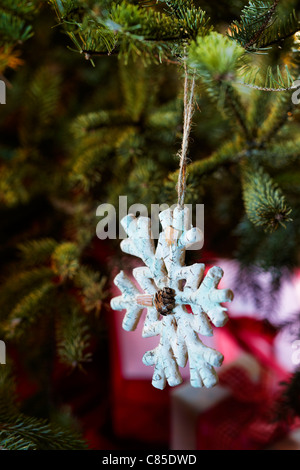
(164,301)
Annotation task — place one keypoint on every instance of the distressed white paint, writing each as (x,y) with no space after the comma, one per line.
(178,331)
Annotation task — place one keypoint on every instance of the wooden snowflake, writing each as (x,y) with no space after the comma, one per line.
(168,287)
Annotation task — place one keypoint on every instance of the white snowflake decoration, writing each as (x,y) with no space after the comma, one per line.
(179,330)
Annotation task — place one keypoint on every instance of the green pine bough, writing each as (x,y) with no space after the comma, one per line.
(15,29)
(265,204)
(86,135)
(21,432)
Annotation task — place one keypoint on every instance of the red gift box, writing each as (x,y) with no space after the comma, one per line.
(246,419)
(237,414)
(240,413)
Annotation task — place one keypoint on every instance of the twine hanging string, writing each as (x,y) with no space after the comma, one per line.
(189,90)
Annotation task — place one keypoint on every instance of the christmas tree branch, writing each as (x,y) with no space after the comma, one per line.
(265,24)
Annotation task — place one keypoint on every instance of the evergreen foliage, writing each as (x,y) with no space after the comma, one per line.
(16,28)
(21,432)
(75,135)
(264,203)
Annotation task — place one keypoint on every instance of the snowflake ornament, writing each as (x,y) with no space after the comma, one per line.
(168,287)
